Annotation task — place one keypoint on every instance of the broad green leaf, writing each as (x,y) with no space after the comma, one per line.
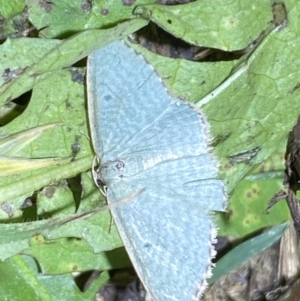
(226,25)
(248,110)
(75,255)
(246,211)
(30,285)
(26,62)
(248,120)
(55,198)
(11,8)
(81,15)
(58,99)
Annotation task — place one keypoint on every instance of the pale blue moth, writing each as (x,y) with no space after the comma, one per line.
(150,141)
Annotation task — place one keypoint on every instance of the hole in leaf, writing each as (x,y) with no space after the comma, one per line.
(14,108)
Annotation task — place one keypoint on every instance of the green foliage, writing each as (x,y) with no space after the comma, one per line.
(251,105)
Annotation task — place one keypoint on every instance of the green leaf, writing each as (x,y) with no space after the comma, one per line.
(81,15)
(58,99)
(226,25)
(12,17)
(28,185)
(64,105)
(28,61)
(11,8)
(246,211)
(96,229)
(30,285)
(245,251)
(253,106)
(12,144)
(75,255)
(12,166)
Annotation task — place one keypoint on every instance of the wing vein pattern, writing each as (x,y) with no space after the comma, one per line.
(148,139)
